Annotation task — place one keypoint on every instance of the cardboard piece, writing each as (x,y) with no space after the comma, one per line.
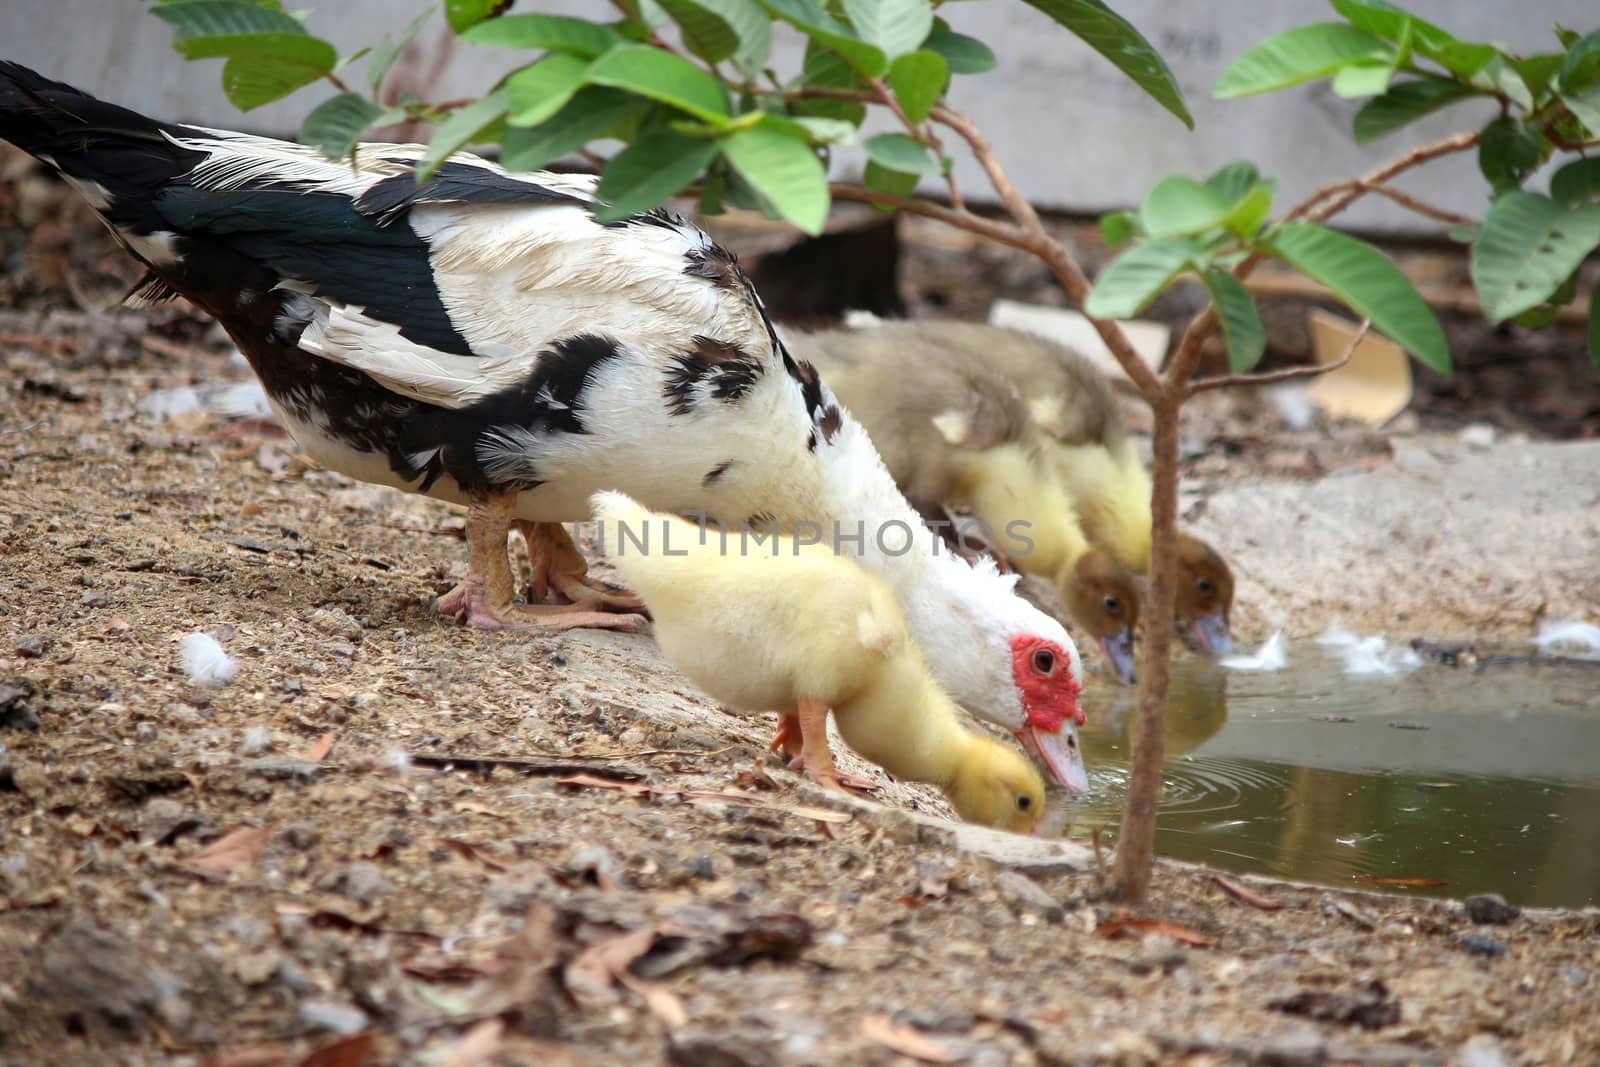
(1070,328)
(1373,387)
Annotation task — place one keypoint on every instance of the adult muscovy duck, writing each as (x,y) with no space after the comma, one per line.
(481,338)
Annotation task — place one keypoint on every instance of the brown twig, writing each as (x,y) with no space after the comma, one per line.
(960,218)
(1227,381)
(1405,200)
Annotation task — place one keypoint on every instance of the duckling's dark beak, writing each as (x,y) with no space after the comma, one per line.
(1060,753)
(1211,634)
(1118,648)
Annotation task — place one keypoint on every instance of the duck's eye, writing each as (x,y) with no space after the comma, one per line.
(1204,585)
(1044,661)
(1024,803)
(1113,605)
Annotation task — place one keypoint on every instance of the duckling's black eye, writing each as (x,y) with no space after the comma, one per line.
(1024,803)
(1113,605)
(1204,585)
(1044,661)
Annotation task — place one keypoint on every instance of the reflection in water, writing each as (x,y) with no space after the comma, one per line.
(1484,779)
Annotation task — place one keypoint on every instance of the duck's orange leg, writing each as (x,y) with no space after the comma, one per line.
(816,758)
(483,598)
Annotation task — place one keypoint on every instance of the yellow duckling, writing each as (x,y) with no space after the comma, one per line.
(1071,403)
(786,625)
(952,431)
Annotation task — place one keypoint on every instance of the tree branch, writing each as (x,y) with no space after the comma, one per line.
(1271,377)
(960,218)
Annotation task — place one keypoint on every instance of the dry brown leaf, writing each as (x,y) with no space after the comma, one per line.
(237,848)
(253,1055)
(663,1003)
(1409,883)
(353,1051)
(1245,894)
(320,750)
(603,963)
(904,1039)
(1181,934)
(477,1046)
(525,959)
(467,850)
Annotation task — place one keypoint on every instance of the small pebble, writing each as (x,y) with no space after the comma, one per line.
(34,645)
(1490,908)
(1479,945)
(333,1015)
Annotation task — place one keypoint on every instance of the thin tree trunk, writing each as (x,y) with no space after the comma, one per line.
(1136,846)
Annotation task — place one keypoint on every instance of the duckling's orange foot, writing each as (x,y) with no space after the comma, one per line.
(833,778)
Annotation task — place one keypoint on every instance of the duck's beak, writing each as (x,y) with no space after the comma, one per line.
(1118,648)
(1211,634)
(1060,753)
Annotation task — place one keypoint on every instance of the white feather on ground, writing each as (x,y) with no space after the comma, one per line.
(205,662)
(1368,655)
(1569,635)
(1271,656)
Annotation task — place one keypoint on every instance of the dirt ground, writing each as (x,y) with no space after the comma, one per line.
(394,840)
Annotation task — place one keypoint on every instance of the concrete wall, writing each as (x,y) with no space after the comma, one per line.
(1072,131)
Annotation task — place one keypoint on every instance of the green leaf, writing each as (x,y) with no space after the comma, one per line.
(918,79)
(963,54)
(463,126)
(1580,69)
(1508,152)
(884,180)
(1251,210)
(1499,74)
(1538,71)
(288,49)
(1298,55)
(226,18)
(1115,38)
(809,18)
(662,76)
(388,50)
(1585,107)
(1390,22)
(1234,180)
(1137,276)
(1405,103)
(589,115)
(1463,59)
(540,89)
(716,30)
(465,14)
(1578,180)
(825,68)
(1119,226)
(1528,247)
(897,151)
(895,26)
(337,123)
(250,81)
(1362,79)
(784,171)
(1177,206)
(824,131)
(1241,323)
(1368,282)
(1594,329)
(657,165)
(554,33)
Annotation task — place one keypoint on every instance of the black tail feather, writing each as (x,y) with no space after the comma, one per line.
(126,153)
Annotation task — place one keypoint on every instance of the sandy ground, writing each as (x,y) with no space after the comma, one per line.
(551,849)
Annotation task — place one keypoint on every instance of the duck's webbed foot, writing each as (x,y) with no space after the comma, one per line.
(561,575)
(484,597)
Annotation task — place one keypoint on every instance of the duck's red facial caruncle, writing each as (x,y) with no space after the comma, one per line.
(1042,671)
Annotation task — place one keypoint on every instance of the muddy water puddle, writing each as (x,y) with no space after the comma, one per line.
(1440,780)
